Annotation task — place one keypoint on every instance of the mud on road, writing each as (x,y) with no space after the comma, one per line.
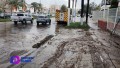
(75,48)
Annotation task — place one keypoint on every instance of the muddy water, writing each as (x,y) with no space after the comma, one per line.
(19,39)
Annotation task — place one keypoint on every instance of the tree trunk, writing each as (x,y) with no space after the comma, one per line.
(72,10)
(82,9)
(11,10)
(75,9)
(4,12)
(34,9)
(87,11)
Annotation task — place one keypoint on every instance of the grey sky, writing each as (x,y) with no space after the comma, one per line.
(47,3)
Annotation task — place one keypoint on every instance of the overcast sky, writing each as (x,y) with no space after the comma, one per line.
(47,3)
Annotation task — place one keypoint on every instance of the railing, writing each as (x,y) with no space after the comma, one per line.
(112,15)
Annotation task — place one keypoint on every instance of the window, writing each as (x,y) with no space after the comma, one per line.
(41,16)
(29,15)
(20,14)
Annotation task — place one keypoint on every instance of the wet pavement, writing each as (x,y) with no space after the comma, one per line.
(68,48)
(19,39)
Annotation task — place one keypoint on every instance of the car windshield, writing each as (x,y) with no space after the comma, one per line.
(20,14)
(41,16)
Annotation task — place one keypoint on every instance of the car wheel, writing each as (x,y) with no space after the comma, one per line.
(37,23)
(49,22)
(31,21)
(15,22)
(25,21)
(22,22)
(45,23)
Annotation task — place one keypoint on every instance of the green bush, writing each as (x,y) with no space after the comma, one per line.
(4,20)
(114,4)
(76,25)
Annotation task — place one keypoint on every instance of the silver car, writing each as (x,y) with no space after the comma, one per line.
(43,19)
(21,17)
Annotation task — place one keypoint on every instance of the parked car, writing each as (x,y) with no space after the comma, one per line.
(2,15)
(22,17)
(8,15)
(35,14)
(43,19)
(5,15)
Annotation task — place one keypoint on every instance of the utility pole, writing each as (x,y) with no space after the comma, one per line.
(82,9)
(88,1)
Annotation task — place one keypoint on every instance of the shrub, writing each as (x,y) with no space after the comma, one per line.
(76,25)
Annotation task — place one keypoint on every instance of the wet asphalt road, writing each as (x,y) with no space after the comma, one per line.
(19,39)
(69,48)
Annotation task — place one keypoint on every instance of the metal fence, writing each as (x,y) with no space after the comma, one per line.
(111,15)
(97,15)
(117,20)
(106,15)
(111,19)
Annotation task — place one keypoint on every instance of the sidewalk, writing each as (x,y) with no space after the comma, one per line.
(110,46)
(92,24)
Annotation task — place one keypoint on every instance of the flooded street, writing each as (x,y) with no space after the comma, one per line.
(65,48)
(19,39)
